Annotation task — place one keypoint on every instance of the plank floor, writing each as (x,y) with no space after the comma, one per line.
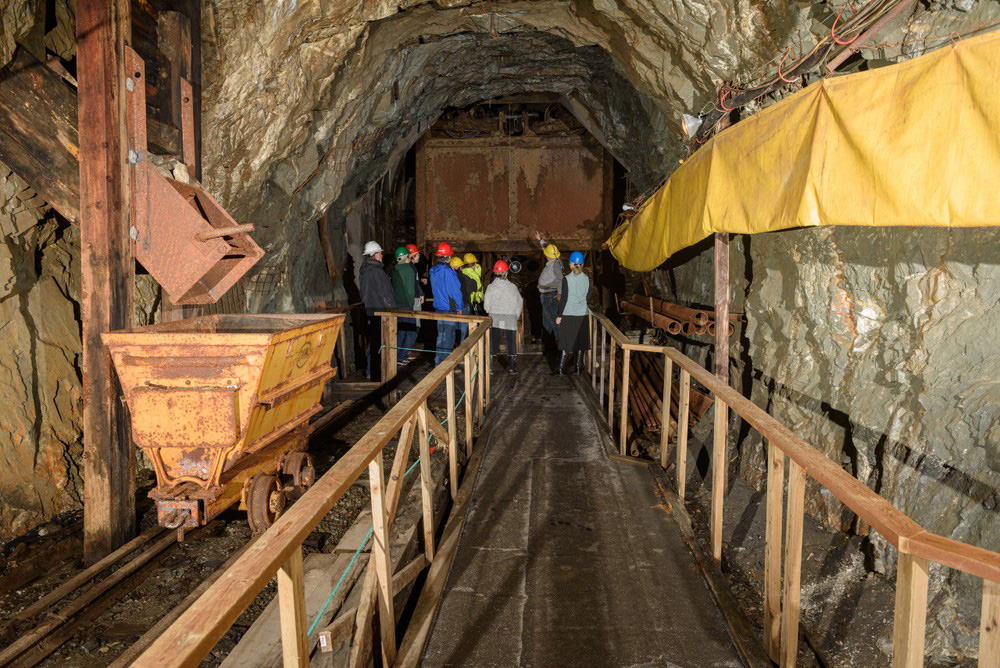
(568,558)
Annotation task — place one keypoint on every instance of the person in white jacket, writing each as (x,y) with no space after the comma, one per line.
(503,303)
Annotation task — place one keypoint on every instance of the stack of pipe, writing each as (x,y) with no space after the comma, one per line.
(677,319)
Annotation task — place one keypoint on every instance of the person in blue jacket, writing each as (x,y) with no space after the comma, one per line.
(447,299)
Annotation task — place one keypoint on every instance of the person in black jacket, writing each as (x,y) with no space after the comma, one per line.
(376,293)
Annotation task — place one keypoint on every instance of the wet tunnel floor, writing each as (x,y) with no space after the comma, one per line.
(567,558)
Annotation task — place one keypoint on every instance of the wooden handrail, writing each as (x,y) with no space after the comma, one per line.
(196,632)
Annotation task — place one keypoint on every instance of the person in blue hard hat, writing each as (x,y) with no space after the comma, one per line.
(574,329)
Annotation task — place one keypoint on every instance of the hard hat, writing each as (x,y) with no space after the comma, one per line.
(551,251)
(402,252)
(412,249)
(500,267)
(444,250)
(470,258)
(372,247)
(455,262)
(576,257)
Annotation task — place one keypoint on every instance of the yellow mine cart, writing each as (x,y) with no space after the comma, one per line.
(221,406)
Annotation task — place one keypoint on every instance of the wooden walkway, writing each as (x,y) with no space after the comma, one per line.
(568,558)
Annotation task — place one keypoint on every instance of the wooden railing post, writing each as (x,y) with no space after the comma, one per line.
(382,560)
(989,626)
(452,434)
(388,348)
(668,386)
(611,382)
(793,565)
(623,418)
(292,612)
(468,403)
(484,373)
(426,485)
(592,353)
(772,551)
(488,346)
(910,619)
(719,465)
(683,410)
(604,361)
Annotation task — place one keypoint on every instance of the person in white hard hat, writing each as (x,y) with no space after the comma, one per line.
(376,293)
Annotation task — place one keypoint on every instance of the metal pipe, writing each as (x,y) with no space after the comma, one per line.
(217,232)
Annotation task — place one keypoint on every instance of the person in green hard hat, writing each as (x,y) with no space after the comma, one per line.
(409,296)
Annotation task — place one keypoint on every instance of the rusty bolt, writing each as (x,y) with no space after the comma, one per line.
(129,84)
(133,233)
(133,157)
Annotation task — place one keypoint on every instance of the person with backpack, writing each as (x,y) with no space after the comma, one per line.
(503,303)
(474,272)
(376,293)
(447,299)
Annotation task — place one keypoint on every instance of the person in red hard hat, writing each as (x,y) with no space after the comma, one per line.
(447,298)
(503,303)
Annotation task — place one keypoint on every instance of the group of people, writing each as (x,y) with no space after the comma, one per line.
(456,284)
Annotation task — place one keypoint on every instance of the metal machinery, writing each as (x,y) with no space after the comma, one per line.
(221,406)
(491,176)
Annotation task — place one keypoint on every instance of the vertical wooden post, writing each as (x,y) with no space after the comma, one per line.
(103,28)
(989,626)
(484,373)
(604,360)
(426,486)
(623,418)
(292,611)
(611,382)
(590,353)
(452,434)
(772,551)
(468,404)
(389,352)
(488,346)
(683,410)
(722,329)
(719,465)
(668,386)
(382,560)
(910,619)
(793,565)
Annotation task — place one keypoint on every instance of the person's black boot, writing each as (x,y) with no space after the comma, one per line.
(561,364)
(579,363)
(512,368)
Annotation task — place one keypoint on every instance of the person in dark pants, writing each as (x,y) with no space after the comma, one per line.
(376,293)
(549,285)
(447,299)
(503,303)
(468,290)
(574,328)
(409,296)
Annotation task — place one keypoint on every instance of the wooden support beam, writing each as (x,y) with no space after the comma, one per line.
(467,368)
(488,347)
(107,270)
(722,333)
(623,418)
(426,485)
(382,560)
(484,373)
(989,626)
(452,434)
(292,609)
(389,326)
(910,620)
(668,385)
(772,551)
(611,382)
(793,565)
(718,475)
(604,363)
(683,411)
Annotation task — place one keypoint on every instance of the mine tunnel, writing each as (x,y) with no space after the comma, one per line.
(499,333)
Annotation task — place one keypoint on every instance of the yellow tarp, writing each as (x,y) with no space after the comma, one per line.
(912,144)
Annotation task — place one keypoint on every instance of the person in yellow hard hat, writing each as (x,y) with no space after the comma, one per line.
(475,272)
(468,287)
(549,286)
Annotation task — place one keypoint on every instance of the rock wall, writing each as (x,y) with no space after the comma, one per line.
(874,346)
(40,437)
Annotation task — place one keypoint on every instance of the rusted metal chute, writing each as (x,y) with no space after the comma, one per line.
(181,235)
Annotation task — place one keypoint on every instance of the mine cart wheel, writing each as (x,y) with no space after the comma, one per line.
(299,466)
(265,501)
